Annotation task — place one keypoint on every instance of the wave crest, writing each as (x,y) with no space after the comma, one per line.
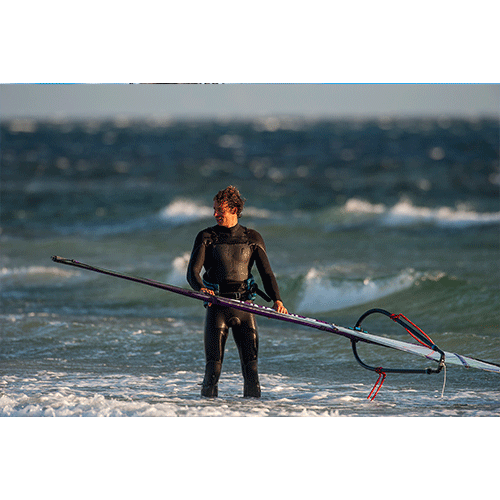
(405,213)
(33,276)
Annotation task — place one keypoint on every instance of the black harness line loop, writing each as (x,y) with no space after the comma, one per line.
(414,332)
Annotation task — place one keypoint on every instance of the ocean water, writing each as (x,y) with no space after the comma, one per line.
(402,215)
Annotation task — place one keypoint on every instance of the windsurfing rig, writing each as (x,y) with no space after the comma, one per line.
(427,347)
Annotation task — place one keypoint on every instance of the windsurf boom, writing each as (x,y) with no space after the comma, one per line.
(427,347)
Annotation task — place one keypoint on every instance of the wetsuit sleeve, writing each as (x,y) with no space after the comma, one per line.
(264,267)
(196,262)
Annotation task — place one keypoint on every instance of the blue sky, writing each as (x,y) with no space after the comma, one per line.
(248,100)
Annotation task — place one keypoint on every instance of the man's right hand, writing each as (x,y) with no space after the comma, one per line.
(209,292)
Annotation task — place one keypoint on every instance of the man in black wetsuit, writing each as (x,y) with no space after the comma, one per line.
(228,251)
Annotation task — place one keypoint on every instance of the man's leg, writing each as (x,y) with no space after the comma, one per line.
(247,340)
(209,387)
(215,341)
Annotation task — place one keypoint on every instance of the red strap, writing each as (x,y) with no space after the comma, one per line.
(396,316)
(381,379)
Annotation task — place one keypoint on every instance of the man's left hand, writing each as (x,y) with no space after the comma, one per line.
(278,306)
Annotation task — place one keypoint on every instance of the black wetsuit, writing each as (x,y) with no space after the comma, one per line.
(228,255)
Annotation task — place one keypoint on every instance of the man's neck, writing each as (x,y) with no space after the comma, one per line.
(229,228)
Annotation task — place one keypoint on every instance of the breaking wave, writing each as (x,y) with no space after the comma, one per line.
(34,274)
(182,211)
(320,293)
(405,213)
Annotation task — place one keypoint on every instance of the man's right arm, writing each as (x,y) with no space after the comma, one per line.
(196,263)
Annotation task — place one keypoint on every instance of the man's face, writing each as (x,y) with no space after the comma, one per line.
(224,216)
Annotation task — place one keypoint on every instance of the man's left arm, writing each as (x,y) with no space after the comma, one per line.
(267,275)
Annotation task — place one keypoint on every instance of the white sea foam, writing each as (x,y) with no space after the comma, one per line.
(50,394)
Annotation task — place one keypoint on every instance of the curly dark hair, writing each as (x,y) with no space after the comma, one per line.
(232,197)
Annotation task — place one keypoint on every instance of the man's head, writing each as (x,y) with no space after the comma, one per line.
(228,205)
(231,196)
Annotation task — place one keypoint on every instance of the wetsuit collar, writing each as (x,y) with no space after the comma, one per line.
(229,230)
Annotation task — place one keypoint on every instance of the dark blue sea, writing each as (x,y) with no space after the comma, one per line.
(397,214)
